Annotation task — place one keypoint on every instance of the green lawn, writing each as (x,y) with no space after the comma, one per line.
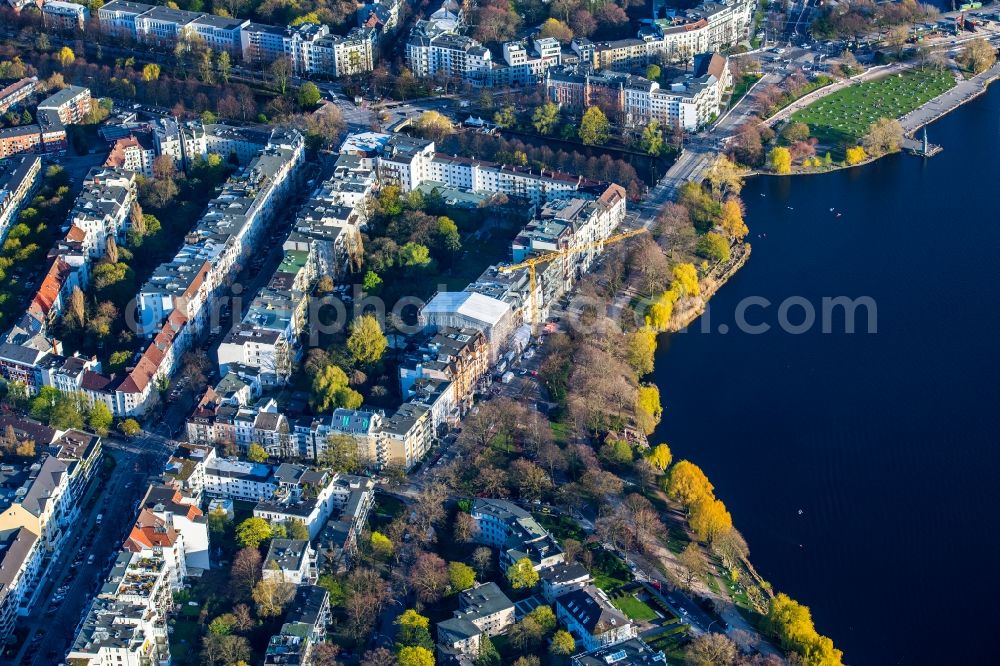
(562,527)
(845,116)
(741,86)
(634,609)
(609,572)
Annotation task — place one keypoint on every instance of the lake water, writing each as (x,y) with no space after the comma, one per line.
(888,443)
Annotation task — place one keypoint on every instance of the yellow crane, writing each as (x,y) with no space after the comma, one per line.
(552,256)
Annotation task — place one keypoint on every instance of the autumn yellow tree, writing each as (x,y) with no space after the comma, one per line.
(686,279)
(660,457)
(648,409)
(66,56)
(792,624)
(709,518)
(731,219)
(855,155)
(781,160)
(150,72)
(661,310)
(687,484)
(641,349)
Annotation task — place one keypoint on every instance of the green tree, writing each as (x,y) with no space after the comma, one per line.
(130,427)
(66,56)
(223,625)
(414,630)
(309,95)
(330,390)
(488,654)
(297,530)
(641,350)
(447,234)
(594,127)
(545,618)
(415,655)
(794,132)
(225,66)
(339,453)
(505,117)
(792,624)
(414,255)
(381,546)
(100,419)
(367,343)
(616,451)
(652,137)
(256,453)
(371,281)
(546,118)
(461,576)
(252,532)
(271,596)
(522,574)
(709,518)
(653,72)
(562,643)
(713,246)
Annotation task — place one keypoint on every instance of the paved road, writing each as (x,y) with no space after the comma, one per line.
(51,625)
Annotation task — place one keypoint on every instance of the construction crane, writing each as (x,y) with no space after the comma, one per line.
(531,263)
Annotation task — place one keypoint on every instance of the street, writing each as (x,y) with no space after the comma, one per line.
(52,624)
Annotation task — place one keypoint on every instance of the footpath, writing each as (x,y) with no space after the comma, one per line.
(949,100)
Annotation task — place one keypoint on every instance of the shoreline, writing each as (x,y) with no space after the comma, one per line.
(992,75)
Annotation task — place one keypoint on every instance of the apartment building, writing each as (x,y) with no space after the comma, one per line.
(482,610)
(185,469)
(432,52)
(70,104)
(67,16)
(459,356)
(589,615)
(305,625)
(19,179)
(103,209)
(633,652)
(677,37)
(310,47)
(220,243)
(506,526)
(166,509)
(558,579)
(21,558)
(187,142)
(239,480)
(135,153)
(688,102)
(290,561)
(127,623)
(14,93)
(526,61)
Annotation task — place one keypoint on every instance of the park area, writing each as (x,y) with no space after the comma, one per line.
(844,117)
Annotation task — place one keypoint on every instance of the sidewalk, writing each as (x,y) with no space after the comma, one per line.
(949,101)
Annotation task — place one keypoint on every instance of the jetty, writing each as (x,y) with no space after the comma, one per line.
(922,147)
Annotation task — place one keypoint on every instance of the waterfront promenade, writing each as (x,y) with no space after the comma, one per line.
(949,101)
